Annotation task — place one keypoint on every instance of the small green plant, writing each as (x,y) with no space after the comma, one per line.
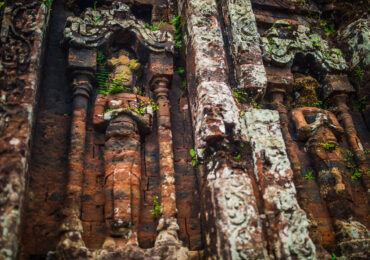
(333,256)
(242,96)
(154,27)
(157,209)
(330,30)
(309,175)
(327,25)
(102,74)
(239,94)
(47,3)
(1,4)
(339,52)
(254,103)
(181,71)
(316,42)
(132,64)
(319,103)
(193,155)
(140,109)
(184,84)
(154,105)
(237,157)
(359,73)
(328,146)
(177,23)
(361,104)
(356,172)
(96,20)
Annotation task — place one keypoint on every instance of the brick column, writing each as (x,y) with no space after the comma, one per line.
(82,88)
(166,164)
(81,65)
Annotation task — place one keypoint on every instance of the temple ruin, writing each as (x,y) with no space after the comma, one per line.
(188,129)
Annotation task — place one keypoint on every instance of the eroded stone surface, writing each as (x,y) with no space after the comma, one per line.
(154,150)
(283,40)
(287,222)
(244,37)
(22,38)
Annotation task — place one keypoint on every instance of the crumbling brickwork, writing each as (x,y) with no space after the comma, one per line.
(189,129)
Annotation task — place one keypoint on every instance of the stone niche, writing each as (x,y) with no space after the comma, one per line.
(118,147)
(189,129)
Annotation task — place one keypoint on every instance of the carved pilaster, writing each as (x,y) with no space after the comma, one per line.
(160,87)
(81,65)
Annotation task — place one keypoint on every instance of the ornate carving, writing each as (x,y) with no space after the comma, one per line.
(355,38)
(122,150)
(288,222)
(245,48)
(239,214)
(16,36)
(283,40)
(96,27)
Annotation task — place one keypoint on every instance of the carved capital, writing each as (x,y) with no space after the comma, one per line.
(81,83)
(160,87)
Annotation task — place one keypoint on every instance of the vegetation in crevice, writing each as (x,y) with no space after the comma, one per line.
(47,3)
(350,163)
(157,209)
(177,23)
(242,97)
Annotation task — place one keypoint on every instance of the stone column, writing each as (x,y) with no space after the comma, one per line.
(232,226)
(287,231)
(241,28)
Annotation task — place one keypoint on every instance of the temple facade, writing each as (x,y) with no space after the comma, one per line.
(188,129)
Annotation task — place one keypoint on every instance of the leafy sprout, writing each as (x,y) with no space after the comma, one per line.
(157,209)
(193,155)
(309,175)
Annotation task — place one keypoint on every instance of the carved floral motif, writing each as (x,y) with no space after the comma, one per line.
(95,27)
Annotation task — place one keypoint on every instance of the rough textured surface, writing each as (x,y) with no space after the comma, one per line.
(184,134)
(245,49)
(22,38)
(283,40)
(355,38)
(287,222)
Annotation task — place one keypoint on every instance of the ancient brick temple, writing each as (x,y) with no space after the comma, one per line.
(188,129)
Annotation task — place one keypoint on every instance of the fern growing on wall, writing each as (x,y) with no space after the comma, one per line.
(102,74)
